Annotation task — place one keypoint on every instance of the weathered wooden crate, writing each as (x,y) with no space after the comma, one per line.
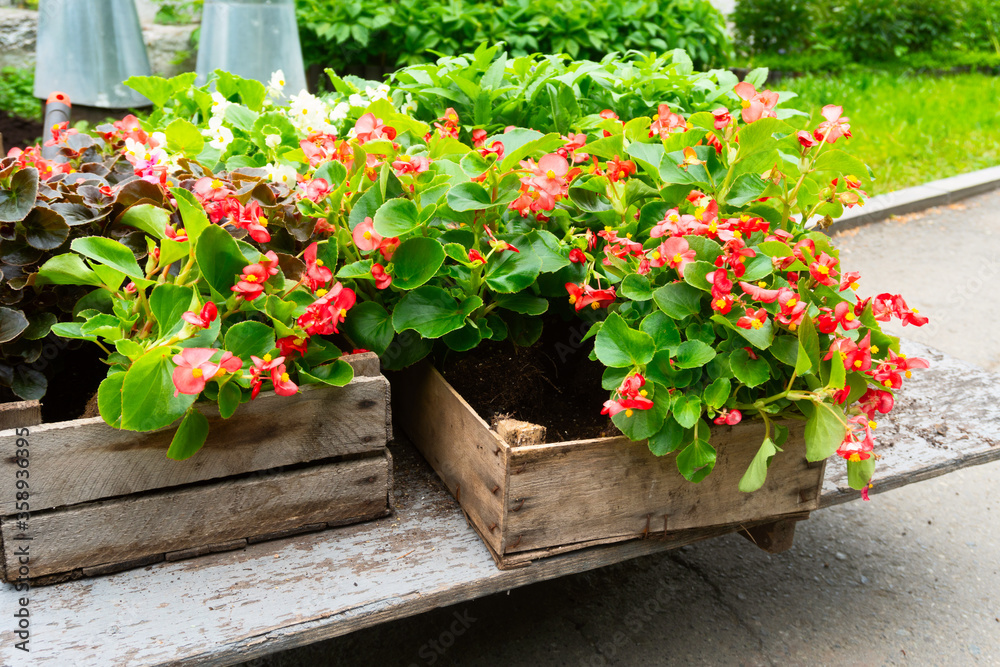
(103,500)
(529,499)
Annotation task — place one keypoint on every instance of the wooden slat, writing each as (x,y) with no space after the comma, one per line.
(95,534)
(85,459)
(945,418)
(612,488)
(232,607)
(468,456)
(20,414)
(365,364)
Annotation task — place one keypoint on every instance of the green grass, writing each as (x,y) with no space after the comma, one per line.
(16,96)
(911,129)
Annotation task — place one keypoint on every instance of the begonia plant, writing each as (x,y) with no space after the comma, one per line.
(296,230)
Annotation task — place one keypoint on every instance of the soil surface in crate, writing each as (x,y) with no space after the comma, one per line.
(18,132)
(551,383)
(74,375)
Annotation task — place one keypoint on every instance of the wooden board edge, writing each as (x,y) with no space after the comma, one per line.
(57,575)
(20,414)
(673,539)
(456,446)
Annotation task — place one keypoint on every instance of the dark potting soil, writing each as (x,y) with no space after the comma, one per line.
(18,132)
(551,383)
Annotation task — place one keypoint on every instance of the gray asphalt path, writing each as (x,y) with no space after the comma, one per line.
(912,577)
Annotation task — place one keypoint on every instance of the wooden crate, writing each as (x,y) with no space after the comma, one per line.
(529,499)
(103,500)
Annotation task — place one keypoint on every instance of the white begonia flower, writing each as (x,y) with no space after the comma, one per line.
(356,100)
(272,140)
(219,135)
(339,112)
(158,139)
(134,148)
(219,104)
(221,138)
(282,173)
(308,113)
(409,106)
(276,86)
(379,93)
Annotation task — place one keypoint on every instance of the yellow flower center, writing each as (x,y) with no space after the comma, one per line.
(197,372)
(267,358)
(745,104)
(297,341)
(677,259)
(572,298)
(721,303)
(737,234)
(656,254)
(367,235)
(854,457)
(857,363)
(321,291)
(595,305)
(550,174)
(849,317)
(854,286)
(874,349)
(791,303)
(712,227)
(343,312)
(628,413)
(887,383)
(872,424)
(284,377)
(643,392)
(822,268)
(756,324)
(319,262)
(215,184)
(262,221)
(251,279)
(909,374)
(761,284)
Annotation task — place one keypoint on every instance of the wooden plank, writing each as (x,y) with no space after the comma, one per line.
(946,418)
(675,538)
(112,531)
(469,457)
(614,489)
(365,364)
(20,414)
(774,537)
(85,459)
(228,608)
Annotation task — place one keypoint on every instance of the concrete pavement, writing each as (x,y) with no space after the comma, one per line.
(912,577)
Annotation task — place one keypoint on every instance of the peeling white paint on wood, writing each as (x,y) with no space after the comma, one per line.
(226,608)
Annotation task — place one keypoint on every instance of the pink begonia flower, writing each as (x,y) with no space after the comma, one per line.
(834,127)
(194,368)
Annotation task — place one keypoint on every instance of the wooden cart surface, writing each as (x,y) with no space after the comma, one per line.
(229,607)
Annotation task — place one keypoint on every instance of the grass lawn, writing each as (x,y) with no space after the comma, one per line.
(911,129)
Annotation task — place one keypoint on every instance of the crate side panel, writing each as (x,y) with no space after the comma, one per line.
(125,529)
(468,457)
(614,488)
(85,459)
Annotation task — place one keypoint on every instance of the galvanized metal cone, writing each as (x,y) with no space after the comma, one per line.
(251,39)
(87,48)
